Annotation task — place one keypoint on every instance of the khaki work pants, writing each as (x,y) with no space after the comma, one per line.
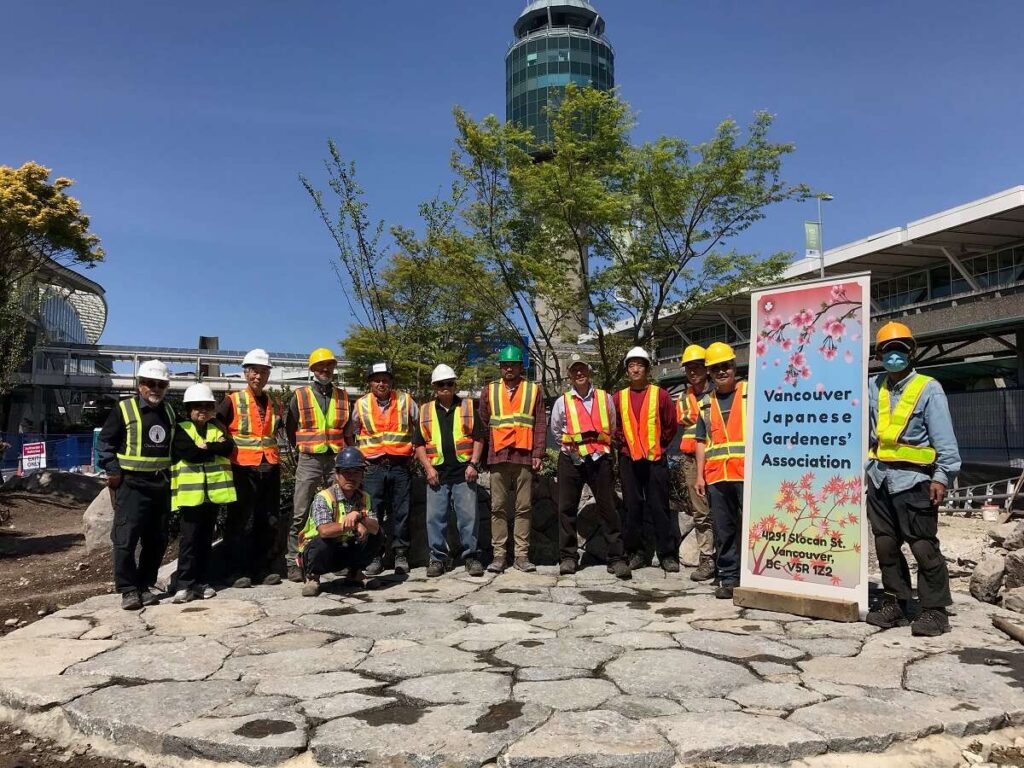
(702,528)
(511,482)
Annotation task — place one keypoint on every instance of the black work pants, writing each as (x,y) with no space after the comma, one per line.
(388,483)
(141,516)
(645,494)
(597,473)
(197,524)
(323,555)
(909,517)
(255,532)
(726,502)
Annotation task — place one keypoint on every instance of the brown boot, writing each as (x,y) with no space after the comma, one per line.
(705,571)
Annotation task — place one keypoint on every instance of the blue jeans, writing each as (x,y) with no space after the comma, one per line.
(388,486)
(463,497)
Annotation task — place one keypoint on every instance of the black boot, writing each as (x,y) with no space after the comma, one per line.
(889,614)
(931,623)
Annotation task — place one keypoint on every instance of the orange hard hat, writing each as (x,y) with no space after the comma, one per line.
(893,331)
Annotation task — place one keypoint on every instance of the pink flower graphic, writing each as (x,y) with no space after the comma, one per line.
(761,347)
(787,344)
(847,357)
(820,387)
(805,372)
(797,360)
(829,353)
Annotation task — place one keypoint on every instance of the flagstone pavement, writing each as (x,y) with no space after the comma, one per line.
(525,670)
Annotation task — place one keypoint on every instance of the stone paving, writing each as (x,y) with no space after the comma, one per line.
(525,670)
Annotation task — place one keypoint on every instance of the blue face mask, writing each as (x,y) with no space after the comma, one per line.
(895,361)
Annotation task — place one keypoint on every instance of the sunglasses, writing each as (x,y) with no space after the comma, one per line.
(154,384)
(716,369)
(201,406)
(444,384)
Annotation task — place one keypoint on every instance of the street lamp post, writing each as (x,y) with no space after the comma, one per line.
(821,237)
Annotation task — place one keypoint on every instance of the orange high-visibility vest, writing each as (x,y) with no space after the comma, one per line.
(512,419)
(643,437)
(316,431)
(462,432)
(385,432)
(579,420)
(726,444)
(252,431)
(688,411)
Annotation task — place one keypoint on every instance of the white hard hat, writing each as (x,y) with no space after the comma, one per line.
(256,357)
(638,353)
(199,393)
(442,373)
(154,369)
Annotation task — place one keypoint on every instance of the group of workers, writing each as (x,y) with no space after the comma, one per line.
(353,474)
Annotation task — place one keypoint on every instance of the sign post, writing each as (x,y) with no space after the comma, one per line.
(33,456)
(804,547)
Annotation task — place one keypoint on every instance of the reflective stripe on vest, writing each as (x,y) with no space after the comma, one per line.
(725,448)
(384,433)
(511,418)
(643,439)
(578,420)
(687,412)
(462,431)
(253,431)
(311,531)
(892,422)
(315,432)
(195,484)
(131,459)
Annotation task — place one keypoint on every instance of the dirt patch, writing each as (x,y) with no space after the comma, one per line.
(19,749)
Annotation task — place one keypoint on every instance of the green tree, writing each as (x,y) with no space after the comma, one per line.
(40,226)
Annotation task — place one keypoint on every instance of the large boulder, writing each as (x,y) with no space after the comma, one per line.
(1014,569)
(1009,536)
(74,484)
(1013,600)
(97,522)
(988,578)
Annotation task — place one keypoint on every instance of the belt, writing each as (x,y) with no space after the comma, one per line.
(389,461)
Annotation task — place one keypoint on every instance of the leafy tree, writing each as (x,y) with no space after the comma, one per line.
(40,225)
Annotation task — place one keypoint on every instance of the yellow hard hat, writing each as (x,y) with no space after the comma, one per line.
(321,355)
(893,331)
(719,352)
(693,354)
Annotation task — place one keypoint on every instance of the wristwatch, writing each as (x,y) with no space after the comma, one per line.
(474,465)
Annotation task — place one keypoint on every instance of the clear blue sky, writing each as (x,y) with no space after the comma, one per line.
(186,125)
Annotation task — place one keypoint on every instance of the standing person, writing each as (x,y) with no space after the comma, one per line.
(512,410)
(315,424)
(342,533)
(913,458)
(135,452)
(449,444)
(647,426)
(721,445)
(689,415)
(383,421)
(201,482)
(255,534)
(583,421)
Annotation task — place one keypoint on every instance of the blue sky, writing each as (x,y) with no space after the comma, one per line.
(186,125)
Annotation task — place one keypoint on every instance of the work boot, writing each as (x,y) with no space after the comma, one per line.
(638,561)
(705,571)
(621,570)
(311,587)
(524,564)
(271,579)
(183,595)
(435,569)
(401,563)
(497,564)
(130,601)
(295,574)
(203,591)
(147,597)
(724,591)
(375,567)
(669,564)
(932,622)
(889,615)
(567,566)
(242,582)
(474,567)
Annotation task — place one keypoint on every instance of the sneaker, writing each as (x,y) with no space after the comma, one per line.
(931,622)
(705,570)
(497,565)
(889,614)
(183,596)
(147,597)
(567,566)
(242,582)
(474,567)
(130,601)
(669,564)
(524,564)
(621,569)
(271,579)
(435,569)
(638,561)
(375,567)
(401,563)
(203,591)
(724,591)
(311,587)
(295,574)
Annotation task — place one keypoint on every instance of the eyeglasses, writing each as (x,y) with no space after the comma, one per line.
(444,384)
(154,384)
(714,370)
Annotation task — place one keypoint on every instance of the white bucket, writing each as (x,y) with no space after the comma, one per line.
(990,514)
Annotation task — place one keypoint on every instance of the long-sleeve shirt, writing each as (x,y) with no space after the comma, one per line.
(558,419)
(513,455)
(322,393)
(929,424)
(156,429)
(184,449)
(667,416)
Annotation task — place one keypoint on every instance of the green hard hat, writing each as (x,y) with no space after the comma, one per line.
(511,354)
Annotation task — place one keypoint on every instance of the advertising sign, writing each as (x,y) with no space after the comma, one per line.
(33,456)
(803,509)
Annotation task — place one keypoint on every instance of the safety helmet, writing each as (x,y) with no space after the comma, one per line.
(442,373)
(199,393)
(350,458)
(256,357)
(693,354)
(321,355)
(154,369)
(510,354)
(577,359)
(378,367)
(718,352)
(638,353)
(893,331)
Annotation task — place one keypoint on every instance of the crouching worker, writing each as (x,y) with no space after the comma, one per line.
(201,482)
(342,534)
